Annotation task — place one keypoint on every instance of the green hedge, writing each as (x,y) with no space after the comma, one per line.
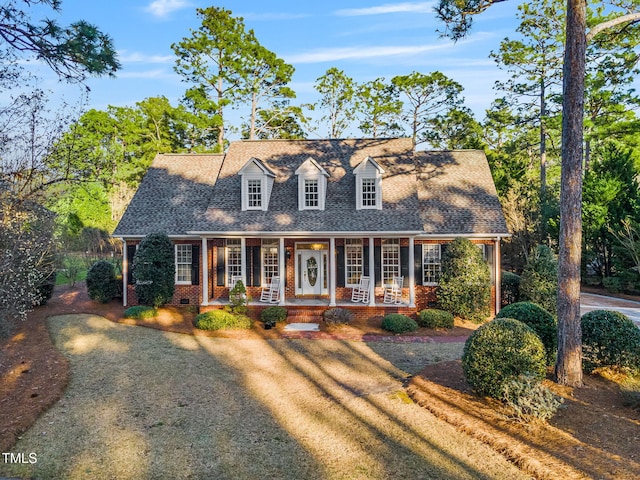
(609,339)
(435,318)
(509,288)
(273,315)
(398,323)
(221,319)
(541,321)
(140,312)
(101,282)
(499,352)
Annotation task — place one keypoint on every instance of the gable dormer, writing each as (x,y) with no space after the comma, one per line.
(257,182)
(368,185)
(312,185)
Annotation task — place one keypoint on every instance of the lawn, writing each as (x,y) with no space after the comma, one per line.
(142,403)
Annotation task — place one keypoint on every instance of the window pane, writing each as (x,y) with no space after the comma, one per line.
(390,259)
(353,259)
(431,263)
(269,259)
(368,192)
(183,263)
(254,191)
(311,193)
(234,260)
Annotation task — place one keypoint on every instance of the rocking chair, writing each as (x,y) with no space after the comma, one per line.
(271,294)
(360,293)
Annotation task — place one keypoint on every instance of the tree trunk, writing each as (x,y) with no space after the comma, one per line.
(568,370)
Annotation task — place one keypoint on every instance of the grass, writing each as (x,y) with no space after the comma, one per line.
(142,403)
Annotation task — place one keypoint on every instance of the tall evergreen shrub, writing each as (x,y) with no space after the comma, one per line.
(465,282)
(154,270)
(539,280)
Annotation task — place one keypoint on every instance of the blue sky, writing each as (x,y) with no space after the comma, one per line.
(365,38)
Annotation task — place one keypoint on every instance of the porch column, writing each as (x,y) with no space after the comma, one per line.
(332,272)
(372,274)
(243,260)
(412,275)
(205,272)
(282,270)
(497,273)
(125,272)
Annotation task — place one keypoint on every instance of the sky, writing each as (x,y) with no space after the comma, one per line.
(366,39)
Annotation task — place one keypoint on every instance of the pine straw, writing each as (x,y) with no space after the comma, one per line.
(143,403)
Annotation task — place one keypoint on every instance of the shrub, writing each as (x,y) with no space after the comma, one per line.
(509,288)
(273,315)
(539,280)
(221,319)
(140,312)
(529,399)
(101,281)
(501,351)
(434,318)
(338,316)
(609,339)
(465,282)
(154,270)
(238,298)
(613,284)
(541,321)
(398,323)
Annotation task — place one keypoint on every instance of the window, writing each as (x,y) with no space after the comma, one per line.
(254,194)
(369,192)
(311,194)
(390,259)
(353,260)
(183,264)
(234,260)
(430,264)
(269,260)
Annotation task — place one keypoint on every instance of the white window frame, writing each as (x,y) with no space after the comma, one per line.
(429,261)
(259,195)
(368,193)
(182,263)
(234,268)
(353,269)
(309,194)
(390,251)
(270,256)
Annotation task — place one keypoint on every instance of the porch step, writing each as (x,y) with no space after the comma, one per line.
(304,315)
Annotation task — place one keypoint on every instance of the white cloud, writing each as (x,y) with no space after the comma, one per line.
(137,57)
(405,7)
(162,8)
(354,53)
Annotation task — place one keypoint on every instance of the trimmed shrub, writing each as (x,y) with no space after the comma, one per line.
(154,270)
(238,298)
(398,323)
(613,284)
(221,319)
(101,282)
(140,312)
(499,352)
(541,321)
(539,280)
(273,315)
(609,339)
(509,288)
(434,318)
(530,400)
(465,282)
(338,316)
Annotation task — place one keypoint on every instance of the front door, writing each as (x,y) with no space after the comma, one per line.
(310,272)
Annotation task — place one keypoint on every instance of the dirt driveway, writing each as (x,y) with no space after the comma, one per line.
(143,403)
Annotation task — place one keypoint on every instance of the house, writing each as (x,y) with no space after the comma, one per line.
(319,214)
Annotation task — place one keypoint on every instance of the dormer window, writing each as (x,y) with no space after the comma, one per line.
(257,182)
(312,185)
(368,185)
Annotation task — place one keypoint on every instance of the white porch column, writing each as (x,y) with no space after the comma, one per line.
(282,271)
(332,272)
(372,274)
(497,273)
(205,272)
(243,260)
(412,274)
(125,272)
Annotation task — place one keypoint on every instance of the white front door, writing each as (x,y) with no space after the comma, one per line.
(310,272)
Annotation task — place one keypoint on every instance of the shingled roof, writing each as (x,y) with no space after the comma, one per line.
(436,193)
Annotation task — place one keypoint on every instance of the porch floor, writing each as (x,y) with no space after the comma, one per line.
(312,302)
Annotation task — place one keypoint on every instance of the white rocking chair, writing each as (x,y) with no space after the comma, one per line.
(360,293)
(393,292)
(271,294)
